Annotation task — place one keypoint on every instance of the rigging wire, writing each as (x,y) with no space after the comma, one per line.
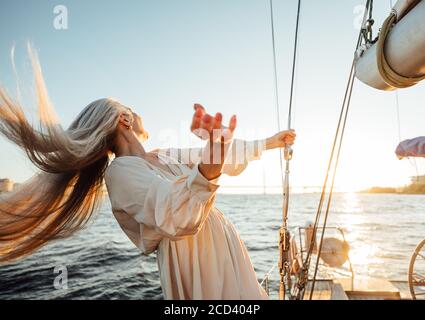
(276,89)
(283,175)
(304,276)
(397,103)
(412,161)
(284,235)
(294,65)
(300,289)
(332,186)
(288,149)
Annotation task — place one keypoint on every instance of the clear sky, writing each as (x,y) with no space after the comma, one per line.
(162,56)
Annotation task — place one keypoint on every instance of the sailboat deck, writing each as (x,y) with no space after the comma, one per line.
(359,289)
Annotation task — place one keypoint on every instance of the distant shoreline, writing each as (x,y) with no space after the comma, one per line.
(410,189)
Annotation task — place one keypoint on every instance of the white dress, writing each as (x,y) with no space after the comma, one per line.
(199,252)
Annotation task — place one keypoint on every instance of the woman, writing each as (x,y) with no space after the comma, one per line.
(163,200)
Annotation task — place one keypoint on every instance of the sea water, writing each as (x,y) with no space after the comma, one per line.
(101,263)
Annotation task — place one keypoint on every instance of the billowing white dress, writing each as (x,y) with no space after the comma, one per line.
(200,254)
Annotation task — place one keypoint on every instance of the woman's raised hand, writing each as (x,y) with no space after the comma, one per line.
(208,127)
(218,137)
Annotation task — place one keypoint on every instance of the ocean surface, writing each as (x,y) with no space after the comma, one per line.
(101,263)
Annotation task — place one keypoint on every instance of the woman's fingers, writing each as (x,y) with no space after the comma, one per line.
(232,123)
(196,120)
(284,138)
(289,143)
(126,120)
(217,121)
(290,133)
(204,124)
(197,106)
(199,109)
(207,123)
(289,137)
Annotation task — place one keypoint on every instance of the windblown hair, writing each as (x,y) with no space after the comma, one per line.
(62,197)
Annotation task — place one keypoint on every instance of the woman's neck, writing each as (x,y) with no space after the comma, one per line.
(127,144)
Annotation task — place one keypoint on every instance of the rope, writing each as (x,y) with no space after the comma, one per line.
(388,74)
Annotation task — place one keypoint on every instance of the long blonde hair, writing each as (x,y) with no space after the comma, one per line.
(61,198)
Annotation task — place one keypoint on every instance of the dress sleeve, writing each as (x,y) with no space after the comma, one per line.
(241,154)
(237,160)
(172,208)
(411,148)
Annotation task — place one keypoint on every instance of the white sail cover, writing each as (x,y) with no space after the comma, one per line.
(404,49)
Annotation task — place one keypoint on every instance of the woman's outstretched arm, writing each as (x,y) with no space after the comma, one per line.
(238,156)
(243,152)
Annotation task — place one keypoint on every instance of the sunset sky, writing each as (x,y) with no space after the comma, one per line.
(160,57)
